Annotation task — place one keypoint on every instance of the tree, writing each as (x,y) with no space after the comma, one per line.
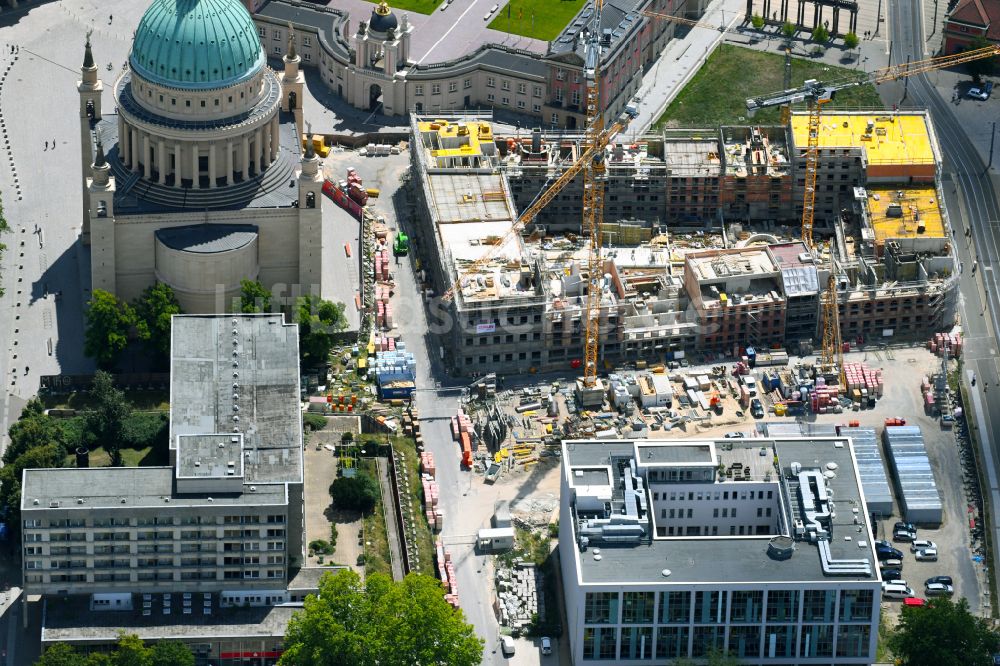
(254,297)
(106,421)
(313,421)
(131,651)
(943,633)
(172,653)
(378,621)
(59,654)
(319,322)
(109,321)
(788,29)
(153,311)
(757,21)
(357,493)
(33,428)
(980,68)
(820,34)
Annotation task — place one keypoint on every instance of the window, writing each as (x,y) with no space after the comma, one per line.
(852,641)
(575,98)
(559,94)
(782,605)
(744,641)
(505,85)
(307,41)
(262,32)
(817,640)
(560,75)
(637,643)
(453,86)
(536,91)
(491,82)
(277,34)
(522,88)
(435,88)
(505,101)
(856,606)
(307,57)
(490,97)
(601,608)
(520,104)
(537,108)
(466,84)
(707,640)
(418,90)
(671,642)
(708,607)
(187,103)
(746,605)
(637,607)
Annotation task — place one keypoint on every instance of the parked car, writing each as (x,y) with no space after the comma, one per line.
(490,13)
(944,580)
(906,527)
(914,602)
(891,591)
(882,543)
(899,581)
(921,544)
(891,563)
(757,408)
(901,535)
(892,575)
(546,645)
(734,435)
(507,646)
(978,93)
(889,554)
(939,589)
(926,555)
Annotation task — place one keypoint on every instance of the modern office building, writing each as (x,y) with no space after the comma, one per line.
(221,526)
(760,548)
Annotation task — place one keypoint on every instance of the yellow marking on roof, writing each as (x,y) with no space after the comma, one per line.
(893,139)
(912,208)
(458,139)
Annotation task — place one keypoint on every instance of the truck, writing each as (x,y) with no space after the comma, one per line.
(401,245)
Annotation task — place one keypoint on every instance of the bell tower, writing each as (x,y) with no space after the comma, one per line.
(90,88)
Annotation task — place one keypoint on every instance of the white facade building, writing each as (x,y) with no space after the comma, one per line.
(758,548)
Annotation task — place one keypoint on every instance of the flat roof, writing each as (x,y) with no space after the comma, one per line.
(724,559)
(239,374)
(107,487)
(210,455)
(675,453)
(693,157)
(71,620)
(898,138)
(751,261)
(915,213)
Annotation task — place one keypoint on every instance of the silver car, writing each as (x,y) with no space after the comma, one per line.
(926,555)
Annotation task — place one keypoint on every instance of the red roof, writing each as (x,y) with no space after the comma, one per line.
(985,13)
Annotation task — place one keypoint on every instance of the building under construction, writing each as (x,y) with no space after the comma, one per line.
(701,234)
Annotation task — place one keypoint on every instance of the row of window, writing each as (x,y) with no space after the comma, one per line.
(277,35)
(722,607)
(251,519)
(716,496)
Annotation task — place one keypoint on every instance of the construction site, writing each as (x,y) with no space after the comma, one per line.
(702,243)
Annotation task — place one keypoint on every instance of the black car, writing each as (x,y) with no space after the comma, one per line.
(890,575)
(888,554)
(944,580)
(756,408)
(904,527)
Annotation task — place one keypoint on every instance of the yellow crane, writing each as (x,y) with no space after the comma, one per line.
(816,94)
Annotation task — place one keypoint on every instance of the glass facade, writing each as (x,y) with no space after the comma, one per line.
(747,624)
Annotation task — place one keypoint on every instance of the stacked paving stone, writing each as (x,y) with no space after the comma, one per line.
(519,591)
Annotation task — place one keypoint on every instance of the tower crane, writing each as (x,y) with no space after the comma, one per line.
(816,94)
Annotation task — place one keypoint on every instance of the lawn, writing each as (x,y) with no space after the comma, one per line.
(425,546)
(540,19)
(418,6)
(145,457)
(718,92)
(376,543)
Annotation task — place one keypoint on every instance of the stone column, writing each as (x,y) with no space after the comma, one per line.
(161,161)
(178,163)
(265,146)
(211,164)
(258,148)
(145,156)
(229,162)
(245,157)
(121,134)
(194,167)
(134,149)
(275,137)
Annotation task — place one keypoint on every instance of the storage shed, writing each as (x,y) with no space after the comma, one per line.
(919,498)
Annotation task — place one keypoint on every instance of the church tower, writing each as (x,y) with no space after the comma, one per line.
(311,228)
(291,79)
(100,193)
(90,88)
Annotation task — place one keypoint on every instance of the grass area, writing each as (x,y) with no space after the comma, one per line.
(145,440)
(418,6)
(718,92)
(425,543)
(539,19)
(149,456)
(376,542)
(140,400)
(882,653)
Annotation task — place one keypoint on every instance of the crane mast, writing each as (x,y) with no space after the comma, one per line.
(594,176)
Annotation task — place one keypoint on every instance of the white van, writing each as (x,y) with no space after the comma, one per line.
(893,591)
(751,383)
(507,646)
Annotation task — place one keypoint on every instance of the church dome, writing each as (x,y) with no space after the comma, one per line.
(382,19)
(196,44)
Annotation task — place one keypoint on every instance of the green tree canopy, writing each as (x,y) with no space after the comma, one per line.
(153,311)
(59,654)
(33,428)
(254,297)
(109,321)
(757,21)
(106,421)
(980,68)
(820,34)
(357,493)
(788,29)
(943,633)
(131,651)
(319,323)
(381,622)
(172,653)
(851,40)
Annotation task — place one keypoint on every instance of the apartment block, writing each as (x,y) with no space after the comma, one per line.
(221,526)
(677,549)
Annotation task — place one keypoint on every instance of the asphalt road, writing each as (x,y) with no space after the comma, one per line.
(971,198)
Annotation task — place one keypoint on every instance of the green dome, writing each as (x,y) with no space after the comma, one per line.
(196,44)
